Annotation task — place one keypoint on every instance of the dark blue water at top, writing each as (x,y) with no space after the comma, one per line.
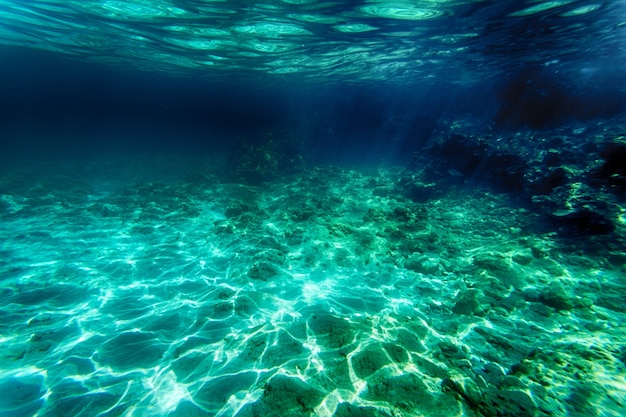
(334,71)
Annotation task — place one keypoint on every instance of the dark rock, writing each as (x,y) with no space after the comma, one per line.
(237,209)
(539,250)
(402,214)
(368,361)
(522,258)
(221,310)
(397,353)
(331,331)
(513,301)
(284,349)
(542,310)
(509,381)
(584,399)
(491,262)
(245,306)
(547,184)
(505,171)
(583,221)
(216,391)
(613,170)
(382,191)
(522,368)
(466,156)
(430,368)
(449,349)
(409,392)
(462,153)
(557,298)
(465,388)
(508,403)
(350,410)
(493,370)
(263,271)
(553,268)
(423,264)
(537,98)
(410,341)
(284,396)
(467,305)
(552,158)
(417,191)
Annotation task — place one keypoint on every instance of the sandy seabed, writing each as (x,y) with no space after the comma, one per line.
(127,291)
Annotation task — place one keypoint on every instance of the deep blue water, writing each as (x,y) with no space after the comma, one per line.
(312,208)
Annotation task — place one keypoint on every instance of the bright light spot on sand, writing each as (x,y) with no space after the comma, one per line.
(314,291)
(168,393)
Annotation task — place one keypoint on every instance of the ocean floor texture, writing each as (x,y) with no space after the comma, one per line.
(155,287)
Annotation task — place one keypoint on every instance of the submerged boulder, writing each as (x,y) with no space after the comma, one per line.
(583,221)
(612,172)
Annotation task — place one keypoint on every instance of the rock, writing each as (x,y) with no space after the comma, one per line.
(540,250)
(541,309)
(499,266)
(331,331)
(583,221)
(508,382)
(514,301)
(410,341)
(350,410)
(613,170)
(409,392)
(465,388)
(245,306)
(557,297)
(522,368)
(237,209)
(397,353)
(493,370)
(382,191)
(462,152)
(263,271)
(547,184)
(508,403)
(522,258)
(368,361)
(553,268)
(423,264)
(430,368)
(467,305)
(285,396)
(505,171)
(449,349)
(491,262)
(552,158)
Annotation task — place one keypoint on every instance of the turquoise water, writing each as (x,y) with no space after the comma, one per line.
(141,288)
(310,208)
(323,41)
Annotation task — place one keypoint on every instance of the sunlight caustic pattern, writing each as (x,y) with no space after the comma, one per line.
(324,294)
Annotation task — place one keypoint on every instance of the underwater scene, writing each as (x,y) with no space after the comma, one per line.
(370,208)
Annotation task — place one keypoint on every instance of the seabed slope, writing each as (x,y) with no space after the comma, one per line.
(325,293)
